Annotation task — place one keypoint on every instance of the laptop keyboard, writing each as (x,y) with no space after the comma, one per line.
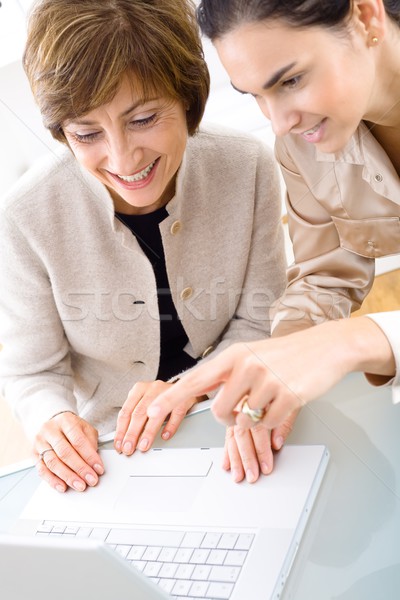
(186,564)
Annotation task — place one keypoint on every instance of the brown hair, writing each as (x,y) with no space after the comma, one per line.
(78,51)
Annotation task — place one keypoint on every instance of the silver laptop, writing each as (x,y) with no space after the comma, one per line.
(176,518)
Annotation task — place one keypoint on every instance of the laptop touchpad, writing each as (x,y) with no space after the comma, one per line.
(164,482)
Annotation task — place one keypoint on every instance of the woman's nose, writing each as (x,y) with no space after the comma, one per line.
(124,155)
(282,118)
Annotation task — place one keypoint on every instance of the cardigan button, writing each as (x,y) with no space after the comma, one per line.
(186,293)
(176,227)
(207,351)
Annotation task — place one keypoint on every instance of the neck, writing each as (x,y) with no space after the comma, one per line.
(385,100)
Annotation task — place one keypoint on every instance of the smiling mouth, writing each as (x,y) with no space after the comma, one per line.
(138,176)
(313,130)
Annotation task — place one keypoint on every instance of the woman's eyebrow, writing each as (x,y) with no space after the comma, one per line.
(277,76)
(272,80)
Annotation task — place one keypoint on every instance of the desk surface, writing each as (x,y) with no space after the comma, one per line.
(350,550)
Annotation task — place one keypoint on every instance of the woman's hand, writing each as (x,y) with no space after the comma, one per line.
(248,453)
(134,429)
(66,453)
(280,375)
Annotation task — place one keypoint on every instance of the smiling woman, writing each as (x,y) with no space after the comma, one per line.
(133,146)
(327,76)
(144,245)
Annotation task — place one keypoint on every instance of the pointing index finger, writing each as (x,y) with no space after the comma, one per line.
(198,382)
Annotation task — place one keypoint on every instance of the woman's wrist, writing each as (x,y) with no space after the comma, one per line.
(366,347)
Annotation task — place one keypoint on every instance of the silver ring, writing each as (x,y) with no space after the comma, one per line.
(255,414)
(43,452)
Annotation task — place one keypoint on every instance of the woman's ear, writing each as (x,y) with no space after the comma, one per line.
(371,16)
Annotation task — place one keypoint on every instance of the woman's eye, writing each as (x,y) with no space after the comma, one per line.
(86,138)
(144,122)
(292,82)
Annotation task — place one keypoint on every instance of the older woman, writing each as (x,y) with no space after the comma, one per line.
(140,248)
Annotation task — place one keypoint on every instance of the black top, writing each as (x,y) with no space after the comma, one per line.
(173,359)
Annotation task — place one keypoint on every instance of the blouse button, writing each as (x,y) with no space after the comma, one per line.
(378,177)
(186,293)
(176,227)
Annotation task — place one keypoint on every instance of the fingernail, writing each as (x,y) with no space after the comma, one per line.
(60,488)
(278,443)
(127,448)
(99,469)
(166,435)
(143,444)
(153,411)
(265,468)
(250,476)
(236,476)
(79,486)
(91,479)
(118,446)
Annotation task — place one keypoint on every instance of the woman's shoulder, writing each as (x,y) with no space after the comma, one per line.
(48,173)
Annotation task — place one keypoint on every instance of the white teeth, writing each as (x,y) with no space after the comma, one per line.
(138,176)
(311,131)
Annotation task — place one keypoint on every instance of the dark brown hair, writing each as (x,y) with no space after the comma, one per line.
(78,51)
(218,17)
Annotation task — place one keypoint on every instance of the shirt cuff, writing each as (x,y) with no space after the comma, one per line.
(389,323)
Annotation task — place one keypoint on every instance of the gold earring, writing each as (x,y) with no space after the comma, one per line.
(375,40)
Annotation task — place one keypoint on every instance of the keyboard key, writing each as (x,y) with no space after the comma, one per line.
(122,550)
(199,589)
(184,572)
(151,553)
(235,558)
(201,572)
(58,529)
(244,541)
(167,554)
(138,564)
(221,591)
(168,570)
(166,584)
(228,541)
(200,556)
(211,540)
(71,529)
(192,539)
(183,555)
(84,532)
(44,528)
(136,552)
(216,557)
(181,588)
(227,574)
(152,569)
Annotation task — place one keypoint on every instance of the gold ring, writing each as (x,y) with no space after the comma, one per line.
(255,414)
